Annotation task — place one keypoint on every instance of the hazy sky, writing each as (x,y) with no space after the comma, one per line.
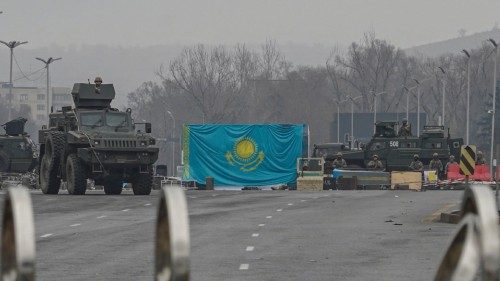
(142,23)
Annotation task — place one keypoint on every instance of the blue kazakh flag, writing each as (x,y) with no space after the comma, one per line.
(242,155)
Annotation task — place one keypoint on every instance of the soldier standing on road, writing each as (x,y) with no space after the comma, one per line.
(436,164)
(450,162)
(405,130)
(339,162)
(98,82)
(416,165)
(480,158)
(375,164)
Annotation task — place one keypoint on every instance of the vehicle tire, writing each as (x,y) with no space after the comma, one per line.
(113,187)
(76,177)
(142,183)
(48,179)
(54,148)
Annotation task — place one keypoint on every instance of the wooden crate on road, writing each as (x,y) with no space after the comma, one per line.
(406,180)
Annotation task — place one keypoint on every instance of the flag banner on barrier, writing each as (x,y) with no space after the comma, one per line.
(242,155)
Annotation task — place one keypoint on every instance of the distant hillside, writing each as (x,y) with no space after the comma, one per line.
(454,45)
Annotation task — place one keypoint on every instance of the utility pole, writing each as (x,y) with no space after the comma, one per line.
(48,97)
(494,106)
(11,45)
(173,143)
(443,81)
(468,98)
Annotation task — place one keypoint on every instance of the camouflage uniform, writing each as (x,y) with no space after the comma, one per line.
(436,165)
(375,164)
(405,130)
(416,165)
(339,163)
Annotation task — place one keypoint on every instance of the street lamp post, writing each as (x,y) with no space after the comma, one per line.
(173,143)
(494,105)
(338,119)
(443,98)
(11,45)
(375,108)
(48,96)
(407,103)
(468,97)
(418,107)
(352,116)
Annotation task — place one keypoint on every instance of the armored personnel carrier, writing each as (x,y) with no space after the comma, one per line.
(95,141)
(17,150)
(394,151)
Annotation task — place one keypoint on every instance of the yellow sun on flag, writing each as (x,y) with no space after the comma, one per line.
(245,148)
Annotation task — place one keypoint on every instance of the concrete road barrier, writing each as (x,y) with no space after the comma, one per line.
(172,236)
(475,248)
(18,237)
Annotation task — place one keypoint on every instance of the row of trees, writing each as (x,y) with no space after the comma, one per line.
(238,85)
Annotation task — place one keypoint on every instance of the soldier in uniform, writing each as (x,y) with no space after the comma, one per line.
(405,130)
(339,162)
(98,82)
(450,162)
(375,164)
(480,158)
(416,164)
(436,164)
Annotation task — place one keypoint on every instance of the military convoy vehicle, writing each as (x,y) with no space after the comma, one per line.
(95,141)
(395,152)
(17,150)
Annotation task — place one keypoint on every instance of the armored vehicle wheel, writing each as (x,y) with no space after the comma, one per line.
(4,162)
(76,177)
(54,147)
(142,183)
(113,187)
(49,181)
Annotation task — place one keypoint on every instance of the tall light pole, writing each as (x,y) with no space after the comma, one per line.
(173,143)
(418,107)
(352,115)
(11,45)
(494,106)
(407,103)
(338,119)
(468,98)
(375,108)
(48,97)
(443,98)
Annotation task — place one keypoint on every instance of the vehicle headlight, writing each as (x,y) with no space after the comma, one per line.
(97,142)
(144,143)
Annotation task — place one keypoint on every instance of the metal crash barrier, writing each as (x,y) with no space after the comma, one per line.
(18,237)
(172,236)
(474,252)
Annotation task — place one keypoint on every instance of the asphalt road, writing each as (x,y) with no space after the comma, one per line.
(251,235)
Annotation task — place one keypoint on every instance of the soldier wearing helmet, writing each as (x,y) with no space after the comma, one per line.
(451,161)
(375,163)
(436,164)
(416,164)
(339,162)
(480,158)
(98,82)
(405,130)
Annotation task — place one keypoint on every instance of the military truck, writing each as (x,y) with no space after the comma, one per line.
(95,141)
(394,151)
(18,153)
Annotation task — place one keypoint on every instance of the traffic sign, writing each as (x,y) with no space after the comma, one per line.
(467,159)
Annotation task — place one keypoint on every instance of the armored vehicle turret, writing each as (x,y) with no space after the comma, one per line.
(395,152)
(17,150)
(98,142)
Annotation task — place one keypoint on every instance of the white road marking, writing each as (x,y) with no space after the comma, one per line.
(148,204)
(250,248)
(46,235)
(255,235)
(213,195)
(125,210)
(279,210)
(76,224)
(290,204)
(100,217)
(262,224)
(268,217)
(303,200)
(244,266)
